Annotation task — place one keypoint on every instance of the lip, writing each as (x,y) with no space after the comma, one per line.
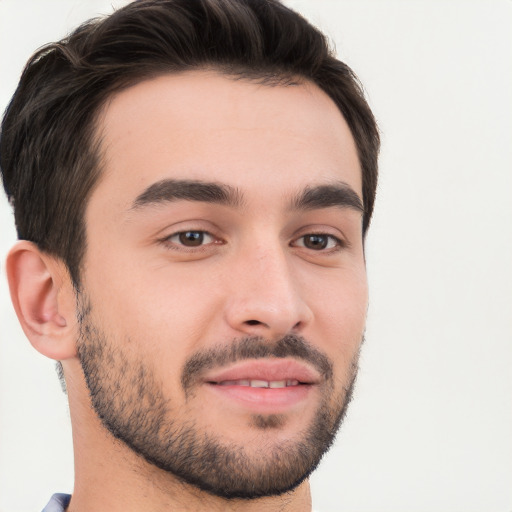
(264,400)
(266,369)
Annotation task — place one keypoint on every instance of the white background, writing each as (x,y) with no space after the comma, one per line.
(430,429)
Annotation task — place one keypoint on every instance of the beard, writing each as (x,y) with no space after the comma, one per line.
(131,405)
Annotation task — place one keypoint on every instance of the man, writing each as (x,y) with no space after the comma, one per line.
(192,182)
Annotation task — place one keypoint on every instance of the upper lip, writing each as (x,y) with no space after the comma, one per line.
(267,370)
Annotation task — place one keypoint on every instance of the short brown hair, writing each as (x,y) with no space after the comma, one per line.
(49,152)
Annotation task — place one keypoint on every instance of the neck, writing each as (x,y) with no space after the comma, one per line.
(110,476)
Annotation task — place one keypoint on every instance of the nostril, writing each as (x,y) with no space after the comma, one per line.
(253,322)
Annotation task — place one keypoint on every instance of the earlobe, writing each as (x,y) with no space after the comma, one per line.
(43,297)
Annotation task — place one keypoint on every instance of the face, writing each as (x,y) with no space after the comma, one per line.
(224,287)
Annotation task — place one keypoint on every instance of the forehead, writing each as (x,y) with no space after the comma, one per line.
(206,126)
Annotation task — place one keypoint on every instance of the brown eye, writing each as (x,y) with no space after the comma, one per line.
(191,238)
(318,242)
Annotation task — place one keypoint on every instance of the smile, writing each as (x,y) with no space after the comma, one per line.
(264,385)
(274,384)
(265,373)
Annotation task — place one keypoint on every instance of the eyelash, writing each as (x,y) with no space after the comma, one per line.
(337,243)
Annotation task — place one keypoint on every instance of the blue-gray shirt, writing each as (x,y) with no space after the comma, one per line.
(58,503)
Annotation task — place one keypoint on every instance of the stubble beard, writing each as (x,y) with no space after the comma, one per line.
(132,407)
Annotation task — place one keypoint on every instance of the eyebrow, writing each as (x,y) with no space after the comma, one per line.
(325,196)
(311,198)
(169,190)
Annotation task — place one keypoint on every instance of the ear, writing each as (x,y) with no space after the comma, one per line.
(44,299)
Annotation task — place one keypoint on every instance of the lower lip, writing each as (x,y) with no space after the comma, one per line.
(264,400)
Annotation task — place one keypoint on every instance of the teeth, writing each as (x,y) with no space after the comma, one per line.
(235,383)
(260,383)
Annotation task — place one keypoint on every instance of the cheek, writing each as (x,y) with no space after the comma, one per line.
(161,306)
(154,319)
(340,317)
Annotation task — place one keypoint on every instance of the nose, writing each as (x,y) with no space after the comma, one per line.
(265,296)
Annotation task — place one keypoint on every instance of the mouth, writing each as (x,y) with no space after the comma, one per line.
(256,383)
(264,386)
(265,373)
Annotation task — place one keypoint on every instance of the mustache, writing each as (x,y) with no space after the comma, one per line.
(254,347)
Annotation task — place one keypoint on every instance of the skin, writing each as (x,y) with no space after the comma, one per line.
(160,301)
